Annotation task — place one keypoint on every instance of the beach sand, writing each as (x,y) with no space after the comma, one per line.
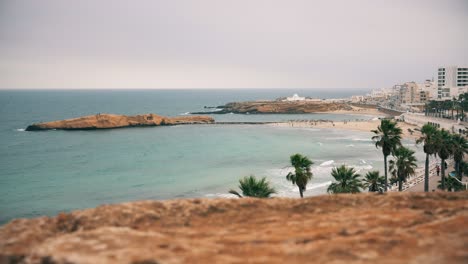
(365,126)
(361,111)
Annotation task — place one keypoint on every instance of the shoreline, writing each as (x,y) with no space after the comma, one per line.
(355,125)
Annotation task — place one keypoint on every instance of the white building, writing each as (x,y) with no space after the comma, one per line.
(429,88)
(451,81)
(295,97)
(357,98)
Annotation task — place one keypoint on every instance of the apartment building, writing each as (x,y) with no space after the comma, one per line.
(451,81)
(428,90)
(410,93)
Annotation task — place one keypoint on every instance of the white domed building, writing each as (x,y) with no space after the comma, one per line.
(295,97)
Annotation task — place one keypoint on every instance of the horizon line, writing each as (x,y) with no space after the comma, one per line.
(238,88)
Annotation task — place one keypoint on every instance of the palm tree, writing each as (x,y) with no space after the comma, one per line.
(459,148)
(432,105)
(451,185)
(403,166)
(429,136)
(252,187)
(388,137)
(347,180)
(302,173)
(374,182)
(444,151)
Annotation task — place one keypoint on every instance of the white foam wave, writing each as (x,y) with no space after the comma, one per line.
(318,185)
(222,195)
(20,129)
(350,145)
(186,113)
(364,167)
(360,139)
(327,163)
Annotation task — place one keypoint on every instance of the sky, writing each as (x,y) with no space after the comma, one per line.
(173,44)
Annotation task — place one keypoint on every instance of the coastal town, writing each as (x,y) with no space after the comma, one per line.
(411,96)
(439,100)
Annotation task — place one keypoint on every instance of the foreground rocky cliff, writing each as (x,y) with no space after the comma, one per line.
(107,121)
(366,228)
(279,107)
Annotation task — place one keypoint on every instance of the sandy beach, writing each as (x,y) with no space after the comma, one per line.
(361,111)
(364,125)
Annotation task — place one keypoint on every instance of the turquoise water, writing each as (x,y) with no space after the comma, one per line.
(43,173)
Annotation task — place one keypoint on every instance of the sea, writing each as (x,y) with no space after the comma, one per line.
(48,172)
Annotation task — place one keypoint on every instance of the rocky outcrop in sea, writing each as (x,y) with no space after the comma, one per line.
(108,121)
(277,107)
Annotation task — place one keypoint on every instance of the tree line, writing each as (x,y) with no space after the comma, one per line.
(452,109)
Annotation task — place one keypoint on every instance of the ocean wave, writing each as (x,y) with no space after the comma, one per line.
(364,167)
(186,113)
(350,145)
(327,163)
(318,185)
(221,195)
(360,139)
(21,129)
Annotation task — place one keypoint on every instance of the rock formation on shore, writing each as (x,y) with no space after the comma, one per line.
(359,228)
(278,107)
(106,121)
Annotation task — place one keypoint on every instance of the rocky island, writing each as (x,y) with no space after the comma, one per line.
(279,107)
(347,228)
(108,121)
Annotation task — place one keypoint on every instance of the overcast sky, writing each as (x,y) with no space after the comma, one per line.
(228,44)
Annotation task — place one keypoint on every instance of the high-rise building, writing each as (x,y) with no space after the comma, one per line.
(451,81)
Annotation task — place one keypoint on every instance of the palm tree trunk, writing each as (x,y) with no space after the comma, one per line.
(442,173)
(426,174)
(400,185)
(385,168)
(300,192)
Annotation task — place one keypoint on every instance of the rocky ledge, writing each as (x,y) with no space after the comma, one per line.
(107,121)
(278,107)
(362,228)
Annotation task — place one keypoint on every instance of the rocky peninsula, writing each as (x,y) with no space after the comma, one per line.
(348,228)
(279,107)
(108,121)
